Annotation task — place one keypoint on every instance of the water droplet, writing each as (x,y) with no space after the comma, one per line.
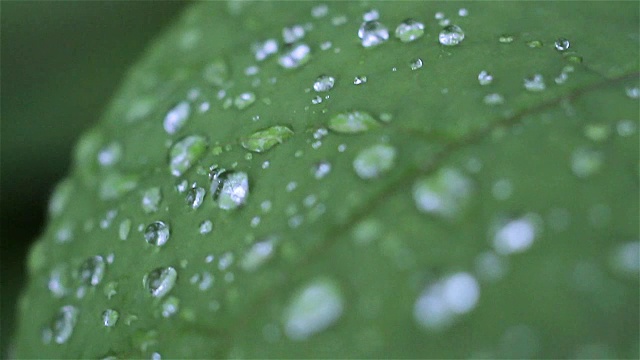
(110,154)
(195,197)
(225,261)
(319,11)
(324,83)
(157,233)
(514,236)
(625,258)
(185,152)
(534,83)
(463,12)
(244,100)
(505,39)
(485,78)
(373,33)
(294,56)
(263,140)
(206,227)
(439,304)
(110,317)
(415,64)
(58,282)
(374,161)
(313,309)
(233,191)
(292,34)
(291,186)
(160,281)
(177,117)
(359,80)
(626,127)
(114,185)
(258,254)
(371,15)
(493,99)
(409,30)
(321,169)
(445,193)
(352,122)
(597,132)
(586,162)
(151,200)
(562,44)
(534,44)
(63,324)
(573,57)
(124,229)
(262,50)
(92,270)
(633,92)
(60,197)
(170,306)
(451,35)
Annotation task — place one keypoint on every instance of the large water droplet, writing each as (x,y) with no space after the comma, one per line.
(294,56)
(374,161)
(534,83)
(439,304)
(451,35)
(160,281)
(314,308)
(231,191)
(373,33)
(445,194)
(157,233)
(64,323)
(177,117)
(409,30)
(263,140)
(352,122)
(258,254)
(195,197)
(586,162)
(562,44)
(110,317)
(324,83)
(514,236)
(185,152)
(92,270)
(151,200)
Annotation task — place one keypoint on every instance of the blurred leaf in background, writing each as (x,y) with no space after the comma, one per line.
(61,62)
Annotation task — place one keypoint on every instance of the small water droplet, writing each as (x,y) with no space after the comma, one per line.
(58,282)
(372,33)
(110,317)
(244,100)
(485,78)
(217,72)
(367,231)
(462,12)
(110,154)
(534,83)
(124,229)
(505,39)
(562,44)
(493,99)
(324,83)
(514,236)
(352,122)
(502,189)
(160,281)
(415,64)
(451,35)
(230,190)
(258,254)
(321,169)
(294,56)
(312,309)
(490,267)
(185,152)
(374,161)
(60,197)
(446,193)
(319,11)
(177,117)
(262,50)
(625,258)
(586,162)
(157,233)
(263,140)
(626,127)
(597,132)
(371,15)
(359,80)
(291,186)
(226,260)
(151,200)
(206,227)
(292,34)
(534,44)
(195,197)
(114,185)
(633,92)
(170,306)
(409,30)
(92,270)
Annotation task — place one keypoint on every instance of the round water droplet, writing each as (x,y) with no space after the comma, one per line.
(514,236)
(294,56)
(232,191)
(314,308)
(451,35)
(92,270)
(263,140)
(195,197)
(626,127)
(110,317)
(160,281)
(321,169)
(177,117)
(446,193)
(485,78)
(372,33)
(157,233)
(319,11)
(185,152)
(324,83)
(597,132)
(110,154)
(151,200)
(409,30)
(534,83)
(258,254)
(562,44)
(206,227)
(170,306)
(415,64)
(244,100)
(586,162)
(633,92)
(374,161)
(352,122)
(64,323)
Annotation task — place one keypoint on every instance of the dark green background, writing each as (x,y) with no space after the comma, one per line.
(61,62)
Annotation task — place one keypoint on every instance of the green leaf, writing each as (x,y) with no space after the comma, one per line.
(484,217)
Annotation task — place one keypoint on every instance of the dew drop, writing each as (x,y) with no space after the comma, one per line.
(534,44)
(110,154)
(633,92)
(58,282)
(374,161)
(206,227)
(490,267)
(462,12)
(110,317)
(505,39)
(160,281)
(292,34)
(312,309)
(534,83)
(597,132)
(151,200)
(352,122)
(244,100)
(485,78)
(157,233)
(372,33)
(258,254)
(451,35)
(124,229)
(92,270)
(114,185)
(177,117)
(446,193)
(294,56)
(371,15)
(562,44)
(321,169)
(493,99)
(586,162)
(409,30)
(514,236)
(232,191)
(415,64)
(625,258)
(359,80)
(185,152)
(319,11)
(324,83)
(626,127)
(263,140)
(262,50)
(63,324)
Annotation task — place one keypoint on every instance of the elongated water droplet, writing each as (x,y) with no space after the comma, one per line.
(151,200)
(374,161)
(445,194)
(185,152)
(451,35)
(263,140)
(157,233)
(484,78)
(217,72)
(64,323)
(206,227)
(352,122)
(313,309)
(234,191)
(124,229)
(505,39)
(177,117)
(92,270)
(195,197)
(514,236)
(60,197)
(59,281)
(409,30)
(534,83)
(562,44)
(110,317)
(258,254)
(295,56)
(160,281)
(372,33)
(324,83)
